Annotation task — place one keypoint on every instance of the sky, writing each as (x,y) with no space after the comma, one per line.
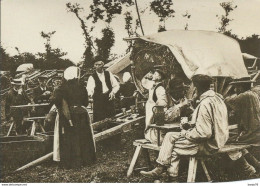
(23,20)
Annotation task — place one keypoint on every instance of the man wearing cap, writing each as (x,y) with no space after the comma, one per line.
(102,86)
(16,96)
(246,105)
(41,94)
(210,131)
(157,97)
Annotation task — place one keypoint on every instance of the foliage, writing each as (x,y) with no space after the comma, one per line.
(163,9)
(225,19)
(105,44)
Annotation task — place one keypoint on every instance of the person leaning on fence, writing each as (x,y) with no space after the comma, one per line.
(246,105)
(208,135)
(16,96)
(76,143)
(157,97)
(102,86)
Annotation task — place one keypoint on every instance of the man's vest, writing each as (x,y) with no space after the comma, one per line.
(98,84)
(154,93)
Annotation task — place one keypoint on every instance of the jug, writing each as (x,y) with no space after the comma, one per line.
(158,115)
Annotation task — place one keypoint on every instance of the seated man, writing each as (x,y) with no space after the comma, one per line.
(157,97)
(246,105)
(210,131)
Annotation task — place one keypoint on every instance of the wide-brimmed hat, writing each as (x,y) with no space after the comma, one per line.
(242,80)
(17,82)
(72,72)
(201,78)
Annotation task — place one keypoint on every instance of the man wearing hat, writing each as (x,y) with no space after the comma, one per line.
(41,94)
(210,131)
(157,97)
(16,96)
(102,86)
(246,105)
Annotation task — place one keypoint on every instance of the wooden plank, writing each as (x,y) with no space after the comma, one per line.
(10,129)
(166,126)
(36,162)
(222,85)
(134,159)
(117,129)
(231,127)
(148,146)
(192,170)
(32,105)
(34,118)
(205,170)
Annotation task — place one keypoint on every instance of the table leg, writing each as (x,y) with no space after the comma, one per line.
(158,137)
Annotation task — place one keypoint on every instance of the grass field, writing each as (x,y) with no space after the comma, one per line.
(113,159)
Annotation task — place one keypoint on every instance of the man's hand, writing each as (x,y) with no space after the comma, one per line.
(183,132)
(111,96)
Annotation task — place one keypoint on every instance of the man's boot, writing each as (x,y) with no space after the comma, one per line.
(155,173)
(252,161)
(244,167)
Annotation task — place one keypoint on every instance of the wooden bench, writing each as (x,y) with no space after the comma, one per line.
(193,160)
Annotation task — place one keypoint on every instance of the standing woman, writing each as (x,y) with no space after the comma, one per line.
(76,143)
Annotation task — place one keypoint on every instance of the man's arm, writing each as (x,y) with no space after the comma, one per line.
(161,96)
(203,126)
(90,86)
(114,83)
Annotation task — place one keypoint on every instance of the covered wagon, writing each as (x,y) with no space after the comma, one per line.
(183,53)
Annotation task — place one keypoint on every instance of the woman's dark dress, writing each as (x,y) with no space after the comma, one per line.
(76,143)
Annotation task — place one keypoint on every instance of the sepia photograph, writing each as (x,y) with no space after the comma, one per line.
(130,91)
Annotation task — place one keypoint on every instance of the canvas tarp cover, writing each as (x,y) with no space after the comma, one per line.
(120,64)
(203,52)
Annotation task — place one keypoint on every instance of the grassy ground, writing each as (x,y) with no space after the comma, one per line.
(113,159)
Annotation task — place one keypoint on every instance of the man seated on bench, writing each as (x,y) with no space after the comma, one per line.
(246,105)
(157,97)
(210,131)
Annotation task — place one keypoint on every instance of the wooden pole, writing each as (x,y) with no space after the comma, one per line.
(139,17)
(36,162)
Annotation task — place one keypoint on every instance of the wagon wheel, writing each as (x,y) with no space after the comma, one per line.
(49,83)
(222,86)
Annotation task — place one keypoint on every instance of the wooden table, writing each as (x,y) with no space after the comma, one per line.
(167,127)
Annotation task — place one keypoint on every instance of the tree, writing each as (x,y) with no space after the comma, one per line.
(52,58)
(163,9)
(225,19)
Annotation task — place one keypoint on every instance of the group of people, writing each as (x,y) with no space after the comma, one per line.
(74,144)
(73,135)
(208,128)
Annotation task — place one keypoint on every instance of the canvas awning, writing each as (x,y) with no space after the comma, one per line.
(119,64)
(24,67)
(203,52)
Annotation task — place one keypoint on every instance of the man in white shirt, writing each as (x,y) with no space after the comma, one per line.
(102,87)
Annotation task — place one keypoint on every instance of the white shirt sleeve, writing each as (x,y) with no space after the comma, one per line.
(91,86)
(161,96)
(114,83)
